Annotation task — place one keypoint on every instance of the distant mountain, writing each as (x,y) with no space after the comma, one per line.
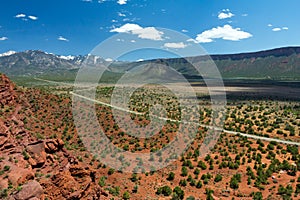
(33,63)
(276,64)
(36,62)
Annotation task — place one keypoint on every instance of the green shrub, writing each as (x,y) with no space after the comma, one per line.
(218,178)
(171,176)
(102,181)
(184,171)
(165,190)
(126,195)
(111,171)
(179,193)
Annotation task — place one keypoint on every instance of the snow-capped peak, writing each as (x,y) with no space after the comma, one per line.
(108,60)
(67,57)
(49,53)
(7,53)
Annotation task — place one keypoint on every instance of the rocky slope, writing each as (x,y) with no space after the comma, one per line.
(31,166)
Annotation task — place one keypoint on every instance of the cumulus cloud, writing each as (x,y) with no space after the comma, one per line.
(21,15)
(270,25)
(61,38)
(32,17)
(225,14)
(122,2)
(3,38)
(285,28)
(150,33)
(126,28)
(226,32)
(174,45)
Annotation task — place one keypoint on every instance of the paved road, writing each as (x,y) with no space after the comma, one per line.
(256,137)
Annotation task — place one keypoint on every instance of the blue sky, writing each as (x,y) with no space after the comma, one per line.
(72,27)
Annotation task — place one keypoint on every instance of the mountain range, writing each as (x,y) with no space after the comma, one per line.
(275,64)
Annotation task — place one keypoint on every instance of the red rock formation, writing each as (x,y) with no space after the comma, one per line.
(42,167)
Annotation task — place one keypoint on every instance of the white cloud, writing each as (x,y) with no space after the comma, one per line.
(121,14)
(127,28)
(21,15)
(226,33)
(61,38)
(122,2)
(276,29)
(87,0)
(184,31)
(280,29)
(225,14)
(140,60)
(174,45)
(270,25)
(244,15)
(133,41)
(150,33)
(32,17)
(131,19)
(3,38)
(192,40)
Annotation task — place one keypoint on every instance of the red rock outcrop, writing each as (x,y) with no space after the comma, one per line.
(36,167)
